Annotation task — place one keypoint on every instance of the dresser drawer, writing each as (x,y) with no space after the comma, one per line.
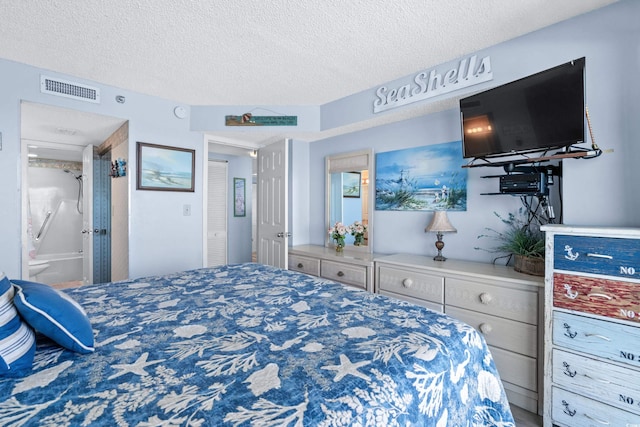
(515,304)
(573,410)
(599,255)
(411,283)
(508,334)
(597,337)
(610,298)
(607,383)
(516,368)
(344,273)
(304,264)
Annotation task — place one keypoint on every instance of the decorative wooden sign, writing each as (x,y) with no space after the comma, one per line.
(248,119)
(429,83)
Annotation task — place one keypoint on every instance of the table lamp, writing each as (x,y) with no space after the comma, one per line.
(440,224)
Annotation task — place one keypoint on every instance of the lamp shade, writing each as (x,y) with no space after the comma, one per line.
(440,223)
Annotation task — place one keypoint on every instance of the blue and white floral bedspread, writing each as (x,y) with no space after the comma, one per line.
(253,345)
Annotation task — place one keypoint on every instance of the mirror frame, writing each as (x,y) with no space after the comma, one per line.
(350,162)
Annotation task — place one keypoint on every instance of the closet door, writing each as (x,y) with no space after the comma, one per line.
(217,213)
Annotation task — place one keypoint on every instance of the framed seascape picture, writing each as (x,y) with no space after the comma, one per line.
(351,184)
(165,168)
(239,194)
(428,178)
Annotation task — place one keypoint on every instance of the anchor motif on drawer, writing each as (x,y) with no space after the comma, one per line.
(566,409)
(567,371)
(569,253)
(571,294)
(568,332)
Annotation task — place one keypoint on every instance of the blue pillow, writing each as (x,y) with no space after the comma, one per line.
(17,340)
(55,315)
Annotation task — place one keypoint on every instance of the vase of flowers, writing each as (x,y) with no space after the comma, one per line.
(357,230)
(337,234)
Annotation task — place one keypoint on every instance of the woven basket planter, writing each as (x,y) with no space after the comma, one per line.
(529,265)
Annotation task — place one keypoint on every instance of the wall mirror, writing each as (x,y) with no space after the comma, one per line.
(350,197)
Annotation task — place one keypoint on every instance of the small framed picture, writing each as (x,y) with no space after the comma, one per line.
(164,168)
(239,197)
(351,184)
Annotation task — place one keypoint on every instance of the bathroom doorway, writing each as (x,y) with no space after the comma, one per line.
(66,197)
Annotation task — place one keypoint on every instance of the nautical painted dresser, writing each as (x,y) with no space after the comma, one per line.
(592,327)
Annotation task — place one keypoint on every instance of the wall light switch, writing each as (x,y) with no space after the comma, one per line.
(186,210)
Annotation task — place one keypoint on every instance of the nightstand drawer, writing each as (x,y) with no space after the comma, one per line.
(608,383)
(610,298)
(599,255)
(571,409)
(350,274)
(514,304)
(498,332)
(304,264)
(597,337)
(411,283)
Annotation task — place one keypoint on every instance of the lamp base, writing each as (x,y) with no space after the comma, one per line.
(439,246)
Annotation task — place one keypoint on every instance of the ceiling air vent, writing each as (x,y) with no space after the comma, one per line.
(69,89)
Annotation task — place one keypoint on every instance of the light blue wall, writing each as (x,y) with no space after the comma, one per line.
(161,239)
(596,192)
(601,191)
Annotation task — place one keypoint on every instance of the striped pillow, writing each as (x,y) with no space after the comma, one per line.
(17,340)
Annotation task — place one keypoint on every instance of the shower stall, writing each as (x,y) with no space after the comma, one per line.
(55,215)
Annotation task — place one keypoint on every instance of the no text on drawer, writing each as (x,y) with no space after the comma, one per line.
(599,255)
(610,298)
(610,340)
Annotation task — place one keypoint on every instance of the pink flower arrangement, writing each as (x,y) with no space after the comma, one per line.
(337,233)
(357,230)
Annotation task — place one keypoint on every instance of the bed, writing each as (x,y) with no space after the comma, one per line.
(249,344)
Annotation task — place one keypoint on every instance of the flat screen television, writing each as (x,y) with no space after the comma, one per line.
(540,112)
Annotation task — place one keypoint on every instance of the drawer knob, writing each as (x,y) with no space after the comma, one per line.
(407,283)
(340,274)
(300,265)
(486,328)
(485,298)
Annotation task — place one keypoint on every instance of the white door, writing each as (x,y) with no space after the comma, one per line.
(273,226)
(217,213)
(87,214)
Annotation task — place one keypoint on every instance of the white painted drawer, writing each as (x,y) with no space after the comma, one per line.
(507,334)
(516,368)
(413,284)
(572,410)
(344,273)
(597,337)
(431,305)
(515,304)
(604,382)
(304,264)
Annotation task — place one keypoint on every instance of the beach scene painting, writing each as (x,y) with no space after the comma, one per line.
(425,178)
(165,168)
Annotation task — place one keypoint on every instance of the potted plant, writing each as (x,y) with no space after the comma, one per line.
(523,239)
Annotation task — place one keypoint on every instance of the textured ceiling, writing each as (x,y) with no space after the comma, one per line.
(256,52)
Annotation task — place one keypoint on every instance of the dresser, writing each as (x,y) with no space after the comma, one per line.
(504,305)
(354,268)
(592,327)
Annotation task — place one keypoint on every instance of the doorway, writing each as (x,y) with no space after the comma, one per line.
(62,202)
